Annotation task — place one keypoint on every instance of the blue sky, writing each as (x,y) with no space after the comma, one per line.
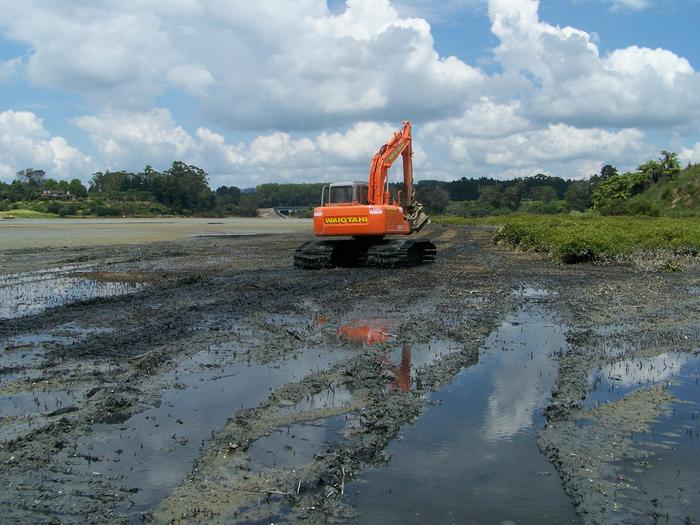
(306,91)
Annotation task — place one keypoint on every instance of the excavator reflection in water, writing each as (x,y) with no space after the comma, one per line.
(373,332)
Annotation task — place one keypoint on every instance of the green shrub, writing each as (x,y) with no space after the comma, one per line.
(106,211)
(544,207)
(68,208)
(578,239)
(53,207)
(474,209)
(640,205)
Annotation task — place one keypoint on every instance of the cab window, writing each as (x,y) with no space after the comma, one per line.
(341,194)
(362,197)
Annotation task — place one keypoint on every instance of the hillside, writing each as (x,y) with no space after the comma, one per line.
(655,189)
(679,196)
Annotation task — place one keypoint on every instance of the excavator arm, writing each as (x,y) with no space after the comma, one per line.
(401,143)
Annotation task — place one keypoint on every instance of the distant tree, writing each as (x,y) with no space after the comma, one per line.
(17,191)
(31,177)
(466,189)
(669,163)
(228,195)
(610,195)
(578,195)
(76,188)
(273,194)
(108,182)
(652,170)
(4,196)
(543,193)
(607,171)
(185,188)
(512,195)
(541,179)
(490,195)
(434,198)
(248,204)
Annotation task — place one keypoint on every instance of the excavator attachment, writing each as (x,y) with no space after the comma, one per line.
(364,252)
(416,217)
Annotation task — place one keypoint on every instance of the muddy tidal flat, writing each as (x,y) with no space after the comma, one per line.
(35,233)
(182,371)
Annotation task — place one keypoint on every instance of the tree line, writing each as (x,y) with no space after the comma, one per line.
(184,189)
(181,189)
(608,192)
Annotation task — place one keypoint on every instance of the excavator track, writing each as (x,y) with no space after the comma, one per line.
(363,252)
(395,253)
(314,255)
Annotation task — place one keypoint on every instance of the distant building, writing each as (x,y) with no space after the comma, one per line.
(58,195)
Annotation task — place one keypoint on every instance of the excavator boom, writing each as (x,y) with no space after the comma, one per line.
(401,143)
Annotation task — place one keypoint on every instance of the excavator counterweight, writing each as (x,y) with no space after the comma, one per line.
(364,213)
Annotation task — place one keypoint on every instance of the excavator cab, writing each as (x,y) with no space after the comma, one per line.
(345,193)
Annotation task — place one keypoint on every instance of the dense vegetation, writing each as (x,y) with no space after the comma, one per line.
(182,189)
(598,238)
(658,200)
(657,188)
(275,195)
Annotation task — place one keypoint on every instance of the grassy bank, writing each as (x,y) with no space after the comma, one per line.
(571,239)
(26,214)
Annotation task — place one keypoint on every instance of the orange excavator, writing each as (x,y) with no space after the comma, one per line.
(361,215)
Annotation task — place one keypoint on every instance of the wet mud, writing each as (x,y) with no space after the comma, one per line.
(208,381)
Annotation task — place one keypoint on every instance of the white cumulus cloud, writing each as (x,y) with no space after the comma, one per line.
(257,65)
(691,154)
(25,143)
(634,61)
(130,140)
(558,143)
(122,136)
(572,83)
(321,89)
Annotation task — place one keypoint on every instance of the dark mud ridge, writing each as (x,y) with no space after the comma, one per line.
(208,381)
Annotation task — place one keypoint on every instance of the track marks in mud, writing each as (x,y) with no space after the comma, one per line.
(631,363)
(220,305)
(210,296)
(583,450)
(222,488)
